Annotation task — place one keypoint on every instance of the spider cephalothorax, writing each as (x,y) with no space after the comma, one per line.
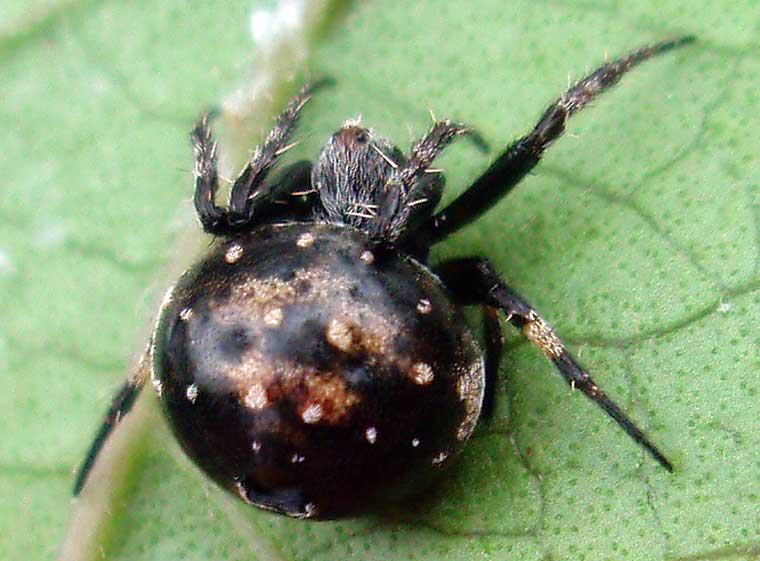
(314,362)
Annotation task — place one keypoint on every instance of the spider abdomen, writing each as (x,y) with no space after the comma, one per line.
(303,370)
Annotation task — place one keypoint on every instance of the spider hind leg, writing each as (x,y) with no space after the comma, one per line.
(476,282)
(121,404)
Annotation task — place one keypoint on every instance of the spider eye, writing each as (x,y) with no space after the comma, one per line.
(351,136)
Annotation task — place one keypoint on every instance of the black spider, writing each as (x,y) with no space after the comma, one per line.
(314,362)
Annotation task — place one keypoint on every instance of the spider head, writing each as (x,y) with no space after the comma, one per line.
(352,170)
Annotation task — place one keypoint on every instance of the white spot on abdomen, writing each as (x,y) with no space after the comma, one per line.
(233,254)
(191,393)
(371,435)
(256,397)
(422,373)
(312,414)
(424,306)
(274,317)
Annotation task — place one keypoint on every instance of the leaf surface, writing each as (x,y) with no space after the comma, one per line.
(637,237)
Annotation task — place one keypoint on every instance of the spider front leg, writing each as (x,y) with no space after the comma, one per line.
(522,156)
(414,189)
(250,192)
(475,281)
(246,188)
(212,217)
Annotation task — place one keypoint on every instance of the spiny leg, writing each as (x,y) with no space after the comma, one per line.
(477,281)
(428,148)
(121,404)
(251,178)
(494,343)
(522,156)
(289,195)
(409,190)
(212,217)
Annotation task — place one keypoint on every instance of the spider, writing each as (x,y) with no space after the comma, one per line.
(313,361)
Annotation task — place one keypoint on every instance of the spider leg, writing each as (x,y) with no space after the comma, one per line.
(121,404)
(212,217)
(414,189)
(476,281)
(289,195)
(494,342)
(246,188)
(522,156)
(427,149)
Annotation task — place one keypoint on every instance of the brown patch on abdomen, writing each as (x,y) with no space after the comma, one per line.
(328,393)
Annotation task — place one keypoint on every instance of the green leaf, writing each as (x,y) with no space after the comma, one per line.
(637,237)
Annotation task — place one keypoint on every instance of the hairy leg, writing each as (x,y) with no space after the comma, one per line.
(522,156)
(212,217)
(245,191)
(414,189)
(250,191)
(475,281)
